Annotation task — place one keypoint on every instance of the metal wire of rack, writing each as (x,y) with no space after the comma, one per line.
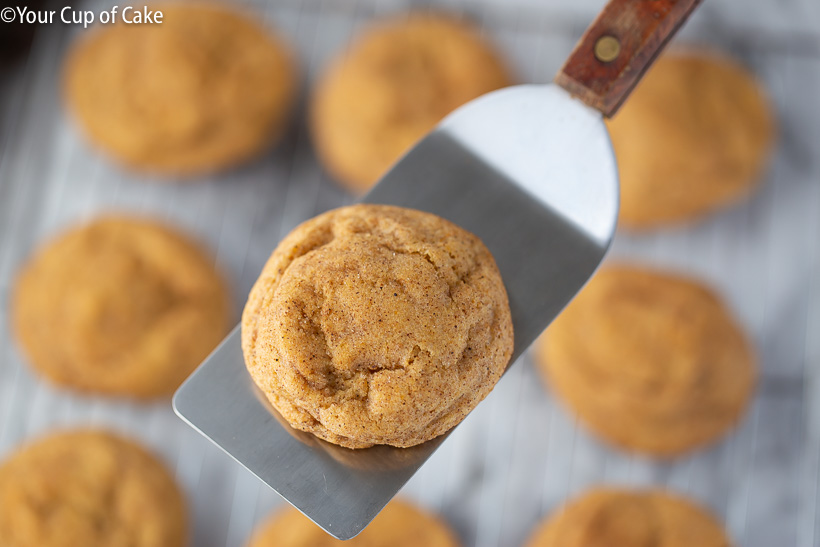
(520,454)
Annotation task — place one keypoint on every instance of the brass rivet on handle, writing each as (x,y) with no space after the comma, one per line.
(607,49)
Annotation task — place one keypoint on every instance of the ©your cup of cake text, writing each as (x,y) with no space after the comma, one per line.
(71,16)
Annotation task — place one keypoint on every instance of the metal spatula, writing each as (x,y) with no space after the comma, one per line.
(530,170)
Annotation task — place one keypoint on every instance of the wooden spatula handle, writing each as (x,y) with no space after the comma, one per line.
(619,47)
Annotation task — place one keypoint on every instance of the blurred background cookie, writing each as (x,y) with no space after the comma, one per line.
(650,361)
(90,489)
(609,517)
(373,324)
(695,135)
(400,524)
(206,89)
(396,82)
(120,306)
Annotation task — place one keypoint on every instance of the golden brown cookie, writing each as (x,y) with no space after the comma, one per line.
(694,136)
(400,524)
(373,324)
(120,306)
(396,82)
(206,89)
(650,361)
(89,489)
(629,518)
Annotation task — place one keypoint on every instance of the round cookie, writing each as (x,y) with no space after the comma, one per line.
(400,524)
(206,89)
(373,324)
(92,489)
(629,518)
(396,82)
(694,136)
(119,306)
(650,361)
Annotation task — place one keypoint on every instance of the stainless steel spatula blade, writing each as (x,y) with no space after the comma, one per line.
(528,169)
(543,200)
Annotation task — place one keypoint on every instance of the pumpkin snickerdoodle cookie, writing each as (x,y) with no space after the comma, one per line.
(119,306)
(204,90)
(400,524)
(650,361)
(396,82)
(630,518)
(90,489)
(373,324)
(694,136)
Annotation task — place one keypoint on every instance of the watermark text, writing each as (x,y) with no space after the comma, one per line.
(71,16)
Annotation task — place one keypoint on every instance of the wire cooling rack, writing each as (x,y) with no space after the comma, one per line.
(519,455)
